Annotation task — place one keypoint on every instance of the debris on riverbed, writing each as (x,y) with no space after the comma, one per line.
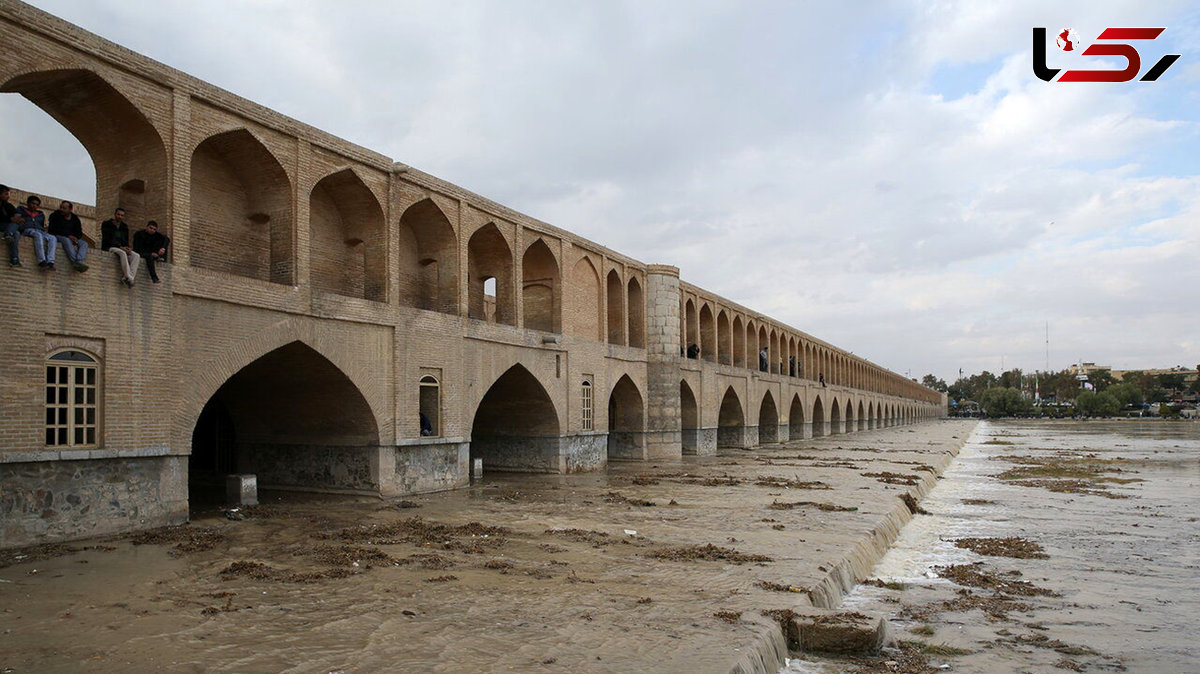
(978,575)
(426,533)
(782,482)
(187,538)
(707,552)
(1010,546)
(889,477)
(827,507)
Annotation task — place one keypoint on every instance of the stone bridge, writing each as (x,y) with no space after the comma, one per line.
(321,299)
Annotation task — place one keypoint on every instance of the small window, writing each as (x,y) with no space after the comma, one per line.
(587,405)
(71,405)
(430,407)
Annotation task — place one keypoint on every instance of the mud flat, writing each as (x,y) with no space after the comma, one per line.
(1049,546)
(696,566)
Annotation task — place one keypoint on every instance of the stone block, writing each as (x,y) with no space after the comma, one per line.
(241,489)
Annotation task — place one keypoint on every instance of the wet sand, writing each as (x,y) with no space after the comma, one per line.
(1049,547)
(516,573)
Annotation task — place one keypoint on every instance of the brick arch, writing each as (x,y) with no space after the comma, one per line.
(626,420)
(615,310)
(731,420)
(124,144)
(541,288)
(241,208)
(819,416)
(489,256)
(211,374)
(515,412)
(348,237)
(584,310)
(428,259)
(635,307)
(768,420)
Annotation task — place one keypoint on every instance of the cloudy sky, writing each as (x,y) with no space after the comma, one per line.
(887,176)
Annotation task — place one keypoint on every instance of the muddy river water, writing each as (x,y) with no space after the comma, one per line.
(1114,505)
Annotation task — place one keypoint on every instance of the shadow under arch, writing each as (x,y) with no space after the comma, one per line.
(731,421)
(796,419)
(689,419)
(348,235)
(516,426)
(125,147)
(626,422)
(428,259)
(818,419)
(293,418)
(768,420)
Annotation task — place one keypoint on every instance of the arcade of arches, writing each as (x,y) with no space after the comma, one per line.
(332,320)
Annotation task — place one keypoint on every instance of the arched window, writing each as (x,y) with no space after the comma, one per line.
(72,382)
(586,405)
(430,407)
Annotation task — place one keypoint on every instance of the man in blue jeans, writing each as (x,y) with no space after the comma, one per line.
(34,226)
(66,228)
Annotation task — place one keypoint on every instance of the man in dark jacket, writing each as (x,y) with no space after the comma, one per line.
(10,223)
(151,244)
(114,238)
(65,226)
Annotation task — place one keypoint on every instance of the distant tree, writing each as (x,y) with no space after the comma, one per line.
(1127,394)
(1172,382)
(1166,411)
(935,383)
(1092,404)
(1004,402)
(1101,379)
(1010,379)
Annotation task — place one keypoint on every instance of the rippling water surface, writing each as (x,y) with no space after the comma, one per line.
(1125,568)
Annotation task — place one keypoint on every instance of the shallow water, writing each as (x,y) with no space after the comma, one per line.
(1125,568)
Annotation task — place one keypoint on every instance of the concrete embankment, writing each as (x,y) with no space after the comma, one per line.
(661,567)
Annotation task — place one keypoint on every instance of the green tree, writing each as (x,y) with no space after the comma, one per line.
(1092,404)
(1127,394)
(1004,402)
(1101,379)
(1172,382)
(935,383)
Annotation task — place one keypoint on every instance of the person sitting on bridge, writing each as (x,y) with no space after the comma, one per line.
(693,351)
(426,425)
(821,378)
(33,225)
(65,226)
(792,366)
(151,244)
(114,237)
(762,359)
(10,223)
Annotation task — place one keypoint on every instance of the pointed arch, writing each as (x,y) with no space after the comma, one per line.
(626,422)
(835,418)
(616,308)
(691,325)
(763,362)
(768,420)
(541,289)
(636,308)
(819,422)
(689,418)
(242,216)
(739,342)
(489,258)
(125,147)
(731,421)
(347,238)
(585,313)
(428,259)
(861,417)
(796,418)
(724,339)
(516,425)
(708,334)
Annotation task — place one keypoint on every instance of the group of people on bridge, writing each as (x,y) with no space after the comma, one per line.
(63,227)
(794,369)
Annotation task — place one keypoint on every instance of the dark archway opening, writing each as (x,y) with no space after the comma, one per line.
(768,421)
(689,419)
(516,426)
(293,419)
(818,418)
(731,422)
(835,419)
(796,419)
(626,425)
